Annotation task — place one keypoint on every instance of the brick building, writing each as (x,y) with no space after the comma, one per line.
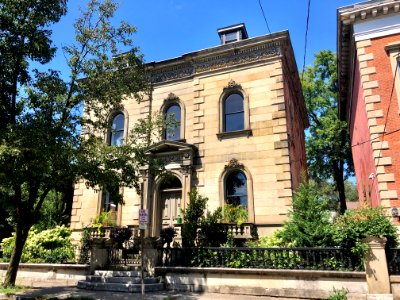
(369,89)
(240,134)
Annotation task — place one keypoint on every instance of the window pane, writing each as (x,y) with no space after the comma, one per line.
(174,110)
(116,138)
(234,103)
(117,130)
(118,122)
(236,189)
(230,37)
(109,203)
(234,113)
(234,122)
(173,116)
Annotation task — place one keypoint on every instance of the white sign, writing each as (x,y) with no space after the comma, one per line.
(143,216)
(142,226)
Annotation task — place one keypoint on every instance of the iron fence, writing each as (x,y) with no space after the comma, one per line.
(334,259)
(393,260)
(122,257)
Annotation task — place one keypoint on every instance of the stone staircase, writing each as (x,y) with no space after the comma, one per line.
(120,281)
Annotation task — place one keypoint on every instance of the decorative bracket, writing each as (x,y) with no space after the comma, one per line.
(234,164)
(232,85)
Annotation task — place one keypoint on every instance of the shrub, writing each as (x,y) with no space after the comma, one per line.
(120,235)
(104,219)
(48,246)
(85,246)
(272,241)
(355,225)
(167,234)
(234,214)
(212,232)
(309,223)
(192,216)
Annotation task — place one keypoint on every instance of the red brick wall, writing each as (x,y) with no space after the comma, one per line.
(296,138)
(389,105)
(361,146)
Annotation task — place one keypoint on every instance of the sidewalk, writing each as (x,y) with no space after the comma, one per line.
(62,292)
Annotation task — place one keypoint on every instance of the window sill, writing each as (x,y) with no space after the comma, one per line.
(233,134)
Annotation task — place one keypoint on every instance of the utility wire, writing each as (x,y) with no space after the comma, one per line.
(371,140)
(265,19)
(387,113)
(305,39)
(390,102)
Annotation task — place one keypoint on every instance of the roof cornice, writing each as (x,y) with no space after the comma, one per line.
(346,17)
(241,53)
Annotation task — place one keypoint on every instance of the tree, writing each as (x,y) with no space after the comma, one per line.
(309,223)
(40,112)
(327,143)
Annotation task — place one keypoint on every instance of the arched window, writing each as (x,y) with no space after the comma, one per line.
(117,130)
(233,113)
(236,188)
(173,123)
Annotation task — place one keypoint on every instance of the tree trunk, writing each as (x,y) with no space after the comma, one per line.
(339,182)
(21,235)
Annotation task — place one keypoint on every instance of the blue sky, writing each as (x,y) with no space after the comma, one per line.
(170,28)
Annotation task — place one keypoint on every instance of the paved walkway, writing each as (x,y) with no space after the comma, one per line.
(62,292)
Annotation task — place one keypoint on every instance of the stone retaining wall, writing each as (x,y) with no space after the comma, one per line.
(44,275)
(273,283)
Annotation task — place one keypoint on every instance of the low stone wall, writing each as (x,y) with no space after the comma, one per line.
(44,275)
(395,286)
(260,282)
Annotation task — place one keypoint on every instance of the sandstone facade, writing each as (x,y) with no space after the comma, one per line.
(269,149)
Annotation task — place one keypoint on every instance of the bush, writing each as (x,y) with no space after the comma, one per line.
(104,219)
(192,216)
(48,246)
(85,246)
(212,232)
(234,214)
(309,223)
(355,225)
(272,241)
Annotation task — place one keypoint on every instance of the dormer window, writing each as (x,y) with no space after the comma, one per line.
(232,33)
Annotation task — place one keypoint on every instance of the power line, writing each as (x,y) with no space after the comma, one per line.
(305,39)
(390,102)
(387,114)
(265,19)
(371,140)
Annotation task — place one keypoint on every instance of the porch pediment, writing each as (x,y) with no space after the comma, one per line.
(174,154)
(166,147)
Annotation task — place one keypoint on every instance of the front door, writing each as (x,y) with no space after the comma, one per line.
(171,205)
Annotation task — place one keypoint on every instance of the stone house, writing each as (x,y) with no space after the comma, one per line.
(369,89)
(239,137)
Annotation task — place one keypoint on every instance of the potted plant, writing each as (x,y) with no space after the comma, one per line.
(120,235)
(167,234)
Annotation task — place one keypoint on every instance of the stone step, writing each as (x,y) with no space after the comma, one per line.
(119,279)
(120,287)
(110,273)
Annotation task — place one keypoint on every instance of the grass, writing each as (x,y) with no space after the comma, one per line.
(12,289)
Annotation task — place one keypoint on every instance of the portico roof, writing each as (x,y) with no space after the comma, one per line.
(168,146)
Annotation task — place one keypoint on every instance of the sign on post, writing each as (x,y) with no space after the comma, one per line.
(143,218)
